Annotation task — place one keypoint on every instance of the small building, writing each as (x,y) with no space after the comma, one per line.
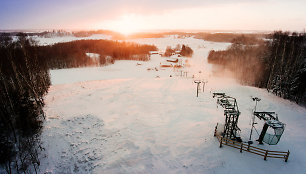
(153,52)
(173,60)
(166,64)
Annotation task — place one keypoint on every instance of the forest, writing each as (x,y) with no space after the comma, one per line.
(25,80)
(73,54)
(249,38)
(278,64)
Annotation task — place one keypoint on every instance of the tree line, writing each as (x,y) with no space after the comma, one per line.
(183,50)
(279,64)
(73,54)
(249,38)
(25,80)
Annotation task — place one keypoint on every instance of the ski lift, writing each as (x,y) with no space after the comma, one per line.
(271,122)
(231,112)
(226,102)
(272,130)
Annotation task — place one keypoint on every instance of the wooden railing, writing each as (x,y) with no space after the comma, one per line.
(252,149)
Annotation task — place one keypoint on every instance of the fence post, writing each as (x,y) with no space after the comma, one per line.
(221,141)
(241,147)
(248,147)
(266,154)
(287,156)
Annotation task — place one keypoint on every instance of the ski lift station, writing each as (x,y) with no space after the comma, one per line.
(229,132)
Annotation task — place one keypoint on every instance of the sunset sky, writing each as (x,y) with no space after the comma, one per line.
(129,16)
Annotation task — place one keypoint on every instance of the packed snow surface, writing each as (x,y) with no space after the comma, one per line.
(135,117)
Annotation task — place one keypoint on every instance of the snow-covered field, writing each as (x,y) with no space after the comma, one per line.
(69,38)
(123,118)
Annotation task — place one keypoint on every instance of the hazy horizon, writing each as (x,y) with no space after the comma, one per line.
(144,31)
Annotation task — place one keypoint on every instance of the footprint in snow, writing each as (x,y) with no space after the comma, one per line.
(83,149)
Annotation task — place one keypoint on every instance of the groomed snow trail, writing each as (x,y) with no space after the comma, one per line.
(122,119)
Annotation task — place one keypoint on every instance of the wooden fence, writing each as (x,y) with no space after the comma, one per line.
(251,149)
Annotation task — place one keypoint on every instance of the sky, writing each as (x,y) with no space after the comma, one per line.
(128,16)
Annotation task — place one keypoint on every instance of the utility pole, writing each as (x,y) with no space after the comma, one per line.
(253,118)
(204,82)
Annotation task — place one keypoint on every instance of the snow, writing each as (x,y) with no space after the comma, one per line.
(93,55)
(68,38)
(122,119)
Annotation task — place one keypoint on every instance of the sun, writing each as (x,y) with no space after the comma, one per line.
(126,24)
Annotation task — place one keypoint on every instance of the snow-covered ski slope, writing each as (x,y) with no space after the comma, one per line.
(123,118)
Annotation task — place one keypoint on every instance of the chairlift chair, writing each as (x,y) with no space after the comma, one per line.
(272,123)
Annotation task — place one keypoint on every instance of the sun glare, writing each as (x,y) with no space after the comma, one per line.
(126,24)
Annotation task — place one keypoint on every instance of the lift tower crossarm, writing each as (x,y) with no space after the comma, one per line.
(265,115)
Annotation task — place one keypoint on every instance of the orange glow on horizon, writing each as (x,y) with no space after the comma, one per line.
(126,24)
(232,17)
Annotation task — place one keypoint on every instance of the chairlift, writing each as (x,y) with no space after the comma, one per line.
(227,102)
(231,112)
(272,130)
(273,125)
